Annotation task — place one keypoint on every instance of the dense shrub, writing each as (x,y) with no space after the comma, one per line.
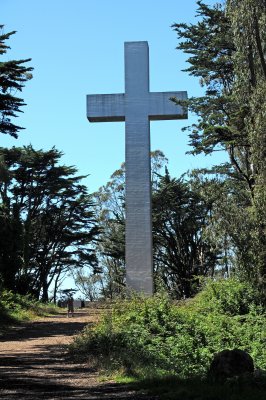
(228,296)
(15,307)
(154,336)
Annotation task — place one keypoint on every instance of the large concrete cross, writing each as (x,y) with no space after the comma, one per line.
(137,107)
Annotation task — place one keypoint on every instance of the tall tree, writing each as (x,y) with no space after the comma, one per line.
(248,22)
(220,122)
(13,74)
(182,250)
(227,53)
(49,221)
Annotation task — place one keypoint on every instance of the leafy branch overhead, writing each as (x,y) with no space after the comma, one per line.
(220,59)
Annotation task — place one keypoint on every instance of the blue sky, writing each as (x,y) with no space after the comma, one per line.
(77,49)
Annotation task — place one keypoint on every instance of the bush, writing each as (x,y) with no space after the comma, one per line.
(229,296)
(15,307)
(154,336)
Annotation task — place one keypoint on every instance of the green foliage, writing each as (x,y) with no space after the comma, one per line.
(226,50)
(156,337)
(16,308)
(248,21)
(13,74)
(47,223)
(182,251)
(230,296)
(209,44)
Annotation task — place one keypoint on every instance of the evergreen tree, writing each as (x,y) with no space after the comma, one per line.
(182,250)
(49,224)
(13,74)
(220,123)
(227,53)
(248,24)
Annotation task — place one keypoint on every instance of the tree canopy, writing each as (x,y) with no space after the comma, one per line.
(13,75)
(227,53)
(47,220)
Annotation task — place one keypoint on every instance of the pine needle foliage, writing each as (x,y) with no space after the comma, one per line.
(13,75)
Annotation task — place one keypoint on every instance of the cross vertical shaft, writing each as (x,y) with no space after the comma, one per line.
(138,176)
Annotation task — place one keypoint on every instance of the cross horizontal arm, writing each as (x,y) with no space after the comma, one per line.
(106,107)
(162,108)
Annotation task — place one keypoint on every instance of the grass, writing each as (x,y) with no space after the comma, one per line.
(15,309)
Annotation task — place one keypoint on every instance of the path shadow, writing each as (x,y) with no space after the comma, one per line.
(46,373)
(43,329)
(22,378)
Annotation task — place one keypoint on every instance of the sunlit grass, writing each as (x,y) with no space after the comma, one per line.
(15,309)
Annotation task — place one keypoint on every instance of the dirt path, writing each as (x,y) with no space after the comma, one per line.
(34,365)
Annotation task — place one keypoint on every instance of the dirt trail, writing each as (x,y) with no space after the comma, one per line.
(34,365)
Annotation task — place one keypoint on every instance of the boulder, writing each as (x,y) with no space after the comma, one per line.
(230,363)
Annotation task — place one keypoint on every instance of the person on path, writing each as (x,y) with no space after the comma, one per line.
(70,306)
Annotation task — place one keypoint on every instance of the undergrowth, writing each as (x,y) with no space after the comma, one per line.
(16,308)
(155,337)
